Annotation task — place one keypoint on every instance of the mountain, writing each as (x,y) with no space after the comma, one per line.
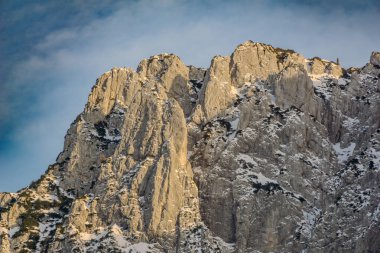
(264,151)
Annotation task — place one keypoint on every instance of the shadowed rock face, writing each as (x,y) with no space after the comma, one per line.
(265,151)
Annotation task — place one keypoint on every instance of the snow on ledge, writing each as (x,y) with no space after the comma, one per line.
(344,153)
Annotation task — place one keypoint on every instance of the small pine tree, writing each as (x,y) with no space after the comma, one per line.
(337,61)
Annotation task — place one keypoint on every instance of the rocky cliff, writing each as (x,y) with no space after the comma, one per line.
(264,151)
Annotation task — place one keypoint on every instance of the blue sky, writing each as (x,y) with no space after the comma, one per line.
(51,53)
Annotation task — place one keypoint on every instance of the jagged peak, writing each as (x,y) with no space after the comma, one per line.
(159,57)
(250,43)
(324,61)
(315,65)
(113,70)
(319,66)
(248,62)
(375,58)
(158,64)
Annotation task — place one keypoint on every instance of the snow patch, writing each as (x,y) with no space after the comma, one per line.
(234,124)
(263,180)
(344,153)
(246,158)
(309,221)
(13,231)
(342,81)
(140,247)
(349,123)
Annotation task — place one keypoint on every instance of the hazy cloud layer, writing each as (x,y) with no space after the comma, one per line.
(52,54)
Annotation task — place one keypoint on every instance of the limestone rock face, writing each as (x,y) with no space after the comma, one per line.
(249,62)
(218,92)
(317,66)
(264,151)
(293,87)
(252,61)
(375,59)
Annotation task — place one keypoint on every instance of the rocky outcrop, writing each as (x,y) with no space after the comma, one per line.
(264,151)
(249,62)
(318,66)
(375,59)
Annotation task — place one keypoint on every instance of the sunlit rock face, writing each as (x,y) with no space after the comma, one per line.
(375,59)
(264,151)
